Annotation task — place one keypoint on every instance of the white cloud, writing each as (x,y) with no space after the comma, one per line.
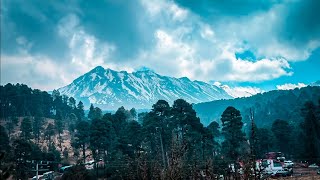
(178,13)
(290,86)
(183,45)
(258,33)
(23,44)
(206,32)
(38,71)
(86,51)
(165,8)
(195,50)
(175,56)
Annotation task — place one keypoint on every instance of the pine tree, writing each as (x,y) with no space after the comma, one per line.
(213,129)
(133,113)
(102,136)
(37,127)
(282,133)
(97,113)
(4,139)
(94,113)
(49,132)
(80,111)
(91,112)
(232,130)
(161,107)
(59,127)
(264,141)
(26,128)
(72,102)
(234,137)
(132,138)
(82,137)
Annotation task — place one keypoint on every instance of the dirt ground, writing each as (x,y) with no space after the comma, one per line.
(43,143)
(303,174)
(307,177)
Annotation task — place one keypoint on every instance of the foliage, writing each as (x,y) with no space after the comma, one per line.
(79,111)
(37,127)
(82,137)
(232,132)
(102,136)
(268,106)
(282,132)
(26,128)
(94,113)
(311,131)
(4,139)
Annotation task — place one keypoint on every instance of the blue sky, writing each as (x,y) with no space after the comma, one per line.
(256,44)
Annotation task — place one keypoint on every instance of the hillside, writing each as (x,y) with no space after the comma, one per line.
(109,89)
(43,143)
(268,106)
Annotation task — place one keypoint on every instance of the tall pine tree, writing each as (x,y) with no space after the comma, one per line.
(26,128)
(232,130)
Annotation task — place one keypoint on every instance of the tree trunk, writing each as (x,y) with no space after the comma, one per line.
(60,141)
(84,153)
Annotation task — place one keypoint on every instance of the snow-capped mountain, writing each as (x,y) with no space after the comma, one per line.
(239,91)
(317,83)
(109,89)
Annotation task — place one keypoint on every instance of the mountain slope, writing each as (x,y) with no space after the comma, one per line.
(268,106)
(317,83)
(110,89)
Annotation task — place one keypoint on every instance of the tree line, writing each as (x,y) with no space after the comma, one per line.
(268,106)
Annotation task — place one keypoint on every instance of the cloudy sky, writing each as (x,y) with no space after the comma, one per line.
(254,44)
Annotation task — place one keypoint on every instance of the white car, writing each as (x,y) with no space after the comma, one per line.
(35,177)
(313,166)
(288,163)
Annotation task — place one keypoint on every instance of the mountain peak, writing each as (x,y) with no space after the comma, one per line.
(110,89)
(98,69)
(145,69)
(184,79)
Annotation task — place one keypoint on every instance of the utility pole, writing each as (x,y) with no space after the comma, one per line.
(37,170)
(253,142)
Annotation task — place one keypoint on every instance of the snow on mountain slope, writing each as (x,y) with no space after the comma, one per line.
(109,89)
(239,91)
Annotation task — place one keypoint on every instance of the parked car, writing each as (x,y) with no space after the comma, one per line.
(48,175)
(65,168)
(288,163)
(271,166)
(313,166)
(35,177)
